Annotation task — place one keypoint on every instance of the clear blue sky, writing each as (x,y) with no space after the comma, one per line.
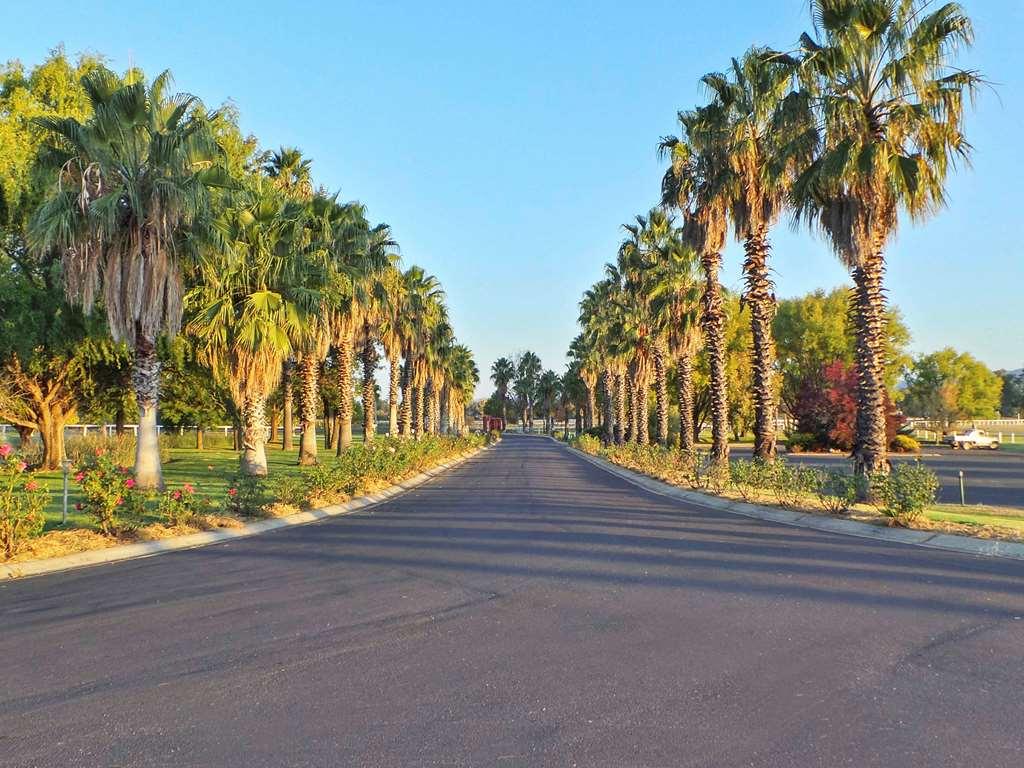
(506,143)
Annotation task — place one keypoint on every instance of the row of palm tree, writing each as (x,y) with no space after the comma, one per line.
(269,276)
(858,125)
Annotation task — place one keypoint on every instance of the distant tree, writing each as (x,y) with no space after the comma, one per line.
(948,386)
(1011,404)
(527,376)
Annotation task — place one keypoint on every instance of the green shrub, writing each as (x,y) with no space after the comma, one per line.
(904,444)
(109,494)
(791,483)
(837,491)
(246,496)
(750,477)
(588,444)
(22,499)
(905,493)
(289,489)
(799,442)
(179,506)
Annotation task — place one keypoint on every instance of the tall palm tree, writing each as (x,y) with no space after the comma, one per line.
(693,183)
(675,295)
(462,377)
(291,172)
(393,287)
(253,296)
(502,373)
(422,309)
(762,124)
(598,317)
(586,366)
(528,370)
(132,179)
(890,105)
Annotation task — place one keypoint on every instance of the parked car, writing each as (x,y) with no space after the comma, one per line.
(972,438)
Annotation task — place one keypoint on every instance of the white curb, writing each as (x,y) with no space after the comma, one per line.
(193,540)
(966,545)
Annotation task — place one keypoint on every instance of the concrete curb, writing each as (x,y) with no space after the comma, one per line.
(964,545)
(205,538)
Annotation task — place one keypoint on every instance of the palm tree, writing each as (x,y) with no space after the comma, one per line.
(675,294)
(762,123)
(598,310)
(693,183)
(132,179)
(422,309)
(291,172)
(890,106)
(502,373)
(391,298)
(462,377)
(253,296)
(548,392)
(586,366)
(528,369)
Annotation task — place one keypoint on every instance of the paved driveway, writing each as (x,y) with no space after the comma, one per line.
(526,609)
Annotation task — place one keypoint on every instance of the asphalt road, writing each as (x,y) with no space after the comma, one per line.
(990,477)
(526,609)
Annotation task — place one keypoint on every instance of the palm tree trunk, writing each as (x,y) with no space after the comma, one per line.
(620,407)
(430,414)
(309,390)
(868,310)
(369,390)
(289,403)
(608,382)
(632,404)
(642,410)
(760,297)
(405,416)
(254,435)
(417,412)
(343,359)
(591,409)
(684,381)
(661,394)
(444,416)
(394,382)
(146,382)
(713,324)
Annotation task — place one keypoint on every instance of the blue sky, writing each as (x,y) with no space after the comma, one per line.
(506,143)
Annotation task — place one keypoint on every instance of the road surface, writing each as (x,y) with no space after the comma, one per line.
(526,609)
(991,477)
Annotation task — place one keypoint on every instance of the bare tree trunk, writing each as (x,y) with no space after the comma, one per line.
(343,357)
(591,410)
(51,430)
(713,323)
(393,386)
(632,404)
(288,391)
(199,438)
(760,297)
(273,426)
(417,412)
(309,372)
(444,417)
(684,381)
(146,381)
(868,311)
(642,409)
(254,433)
(369,390)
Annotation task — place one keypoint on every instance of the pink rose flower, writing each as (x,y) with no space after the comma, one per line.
(80,477)
(232,491)
(129,483)
(120,501)
(22,466)
(5,450)
(31,485)
(176,495)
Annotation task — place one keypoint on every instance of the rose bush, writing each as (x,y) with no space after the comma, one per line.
(22,499)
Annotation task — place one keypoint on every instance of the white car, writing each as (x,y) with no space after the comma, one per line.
(972,438)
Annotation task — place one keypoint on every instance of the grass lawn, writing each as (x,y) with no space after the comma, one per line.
(978,515)
(209,471)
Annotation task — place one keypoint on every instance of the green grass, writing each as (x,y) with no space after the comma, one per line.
(1002,517)
(209,471)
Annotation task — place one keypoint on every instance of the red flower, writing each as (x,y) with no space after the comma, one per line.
(78,506)
(187,487)
(5,450)
(31,485)
(22,466)
(120,501)
(176,495)
(232,491)
(129,483)
(80,477)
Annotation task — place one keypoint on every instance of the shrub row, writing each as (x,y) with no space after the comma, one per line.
(902,495)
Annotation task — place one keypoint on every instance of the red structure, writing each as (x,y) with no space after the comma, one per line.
(491,423)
